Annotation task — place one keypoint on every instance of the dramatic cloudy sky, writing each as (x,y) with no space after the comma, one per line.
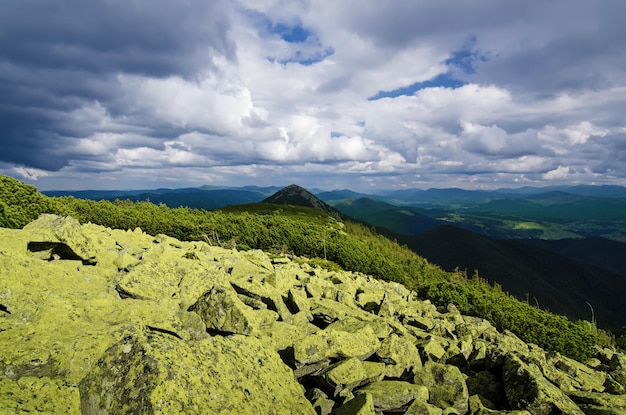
(361,94)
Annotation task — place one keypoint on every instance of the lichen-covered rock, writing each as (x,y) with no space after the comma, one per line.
(480,406)
(595,402)
(419,407)
(342,377)
(126,261)
(361,405)
(446,385)
(38,395)
(161,374)
(265,293)
(370,300)
(399,354)
(328,311)
(253,263)
(381,328)
(527,388)
(394,395)
(283,335)
(297,302)
(320,401)
(222,310)
(570,375)
(62,237)
(331,343)
(432,349)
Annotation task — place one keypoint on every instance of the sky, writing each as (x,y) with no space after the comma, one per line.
(358,94)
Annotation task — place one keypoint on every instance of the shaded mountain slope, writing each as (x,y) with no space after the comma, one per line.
(403,220)
(599,252)
(541,277)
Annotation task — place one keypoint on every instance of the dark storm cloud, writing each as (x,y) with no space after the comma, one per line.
(60,56)
(157,38)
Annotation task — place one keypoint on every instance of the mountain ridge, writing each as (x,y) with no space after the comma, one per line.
(299,196)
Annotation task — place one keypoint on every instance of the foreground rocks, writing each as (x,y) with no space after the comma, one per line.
(97,321)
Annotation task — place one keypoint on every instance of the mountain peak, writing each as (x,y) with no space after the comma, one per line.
(299,196)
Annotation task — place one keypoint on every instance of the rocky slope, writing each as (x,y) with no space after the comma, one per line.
(97,321)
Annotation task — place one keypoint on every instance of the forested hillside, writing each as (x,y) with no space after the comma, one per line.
(310,233)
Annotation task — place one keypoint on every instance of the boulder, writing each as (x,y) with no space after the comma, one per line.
(39,395)
(159,373)
(446,385)
(322,404)
(370,299)
(326,311)
(253,263)
(265,293)
(432,349)
(60,237)
(480,406)
(157,325)
(223,311)
(283,335)
(400,356)
(597,402)
(419,407)
(350,324)
(331,343)
(340,378)
(394,395)
(570,375)
(362,404)
(526,388)
(297,302)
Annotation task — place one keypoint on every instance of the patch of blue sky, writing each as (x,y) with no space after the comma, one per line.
(291,34)
(312,50)
(445,80)
(464,60)
(305,59)
(461,63)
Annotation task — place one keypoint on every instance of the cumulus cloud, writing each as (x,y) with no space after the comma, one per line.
(354,94)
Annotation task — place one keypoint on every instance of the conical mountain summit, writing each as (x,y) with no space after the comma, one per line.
(299,196)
